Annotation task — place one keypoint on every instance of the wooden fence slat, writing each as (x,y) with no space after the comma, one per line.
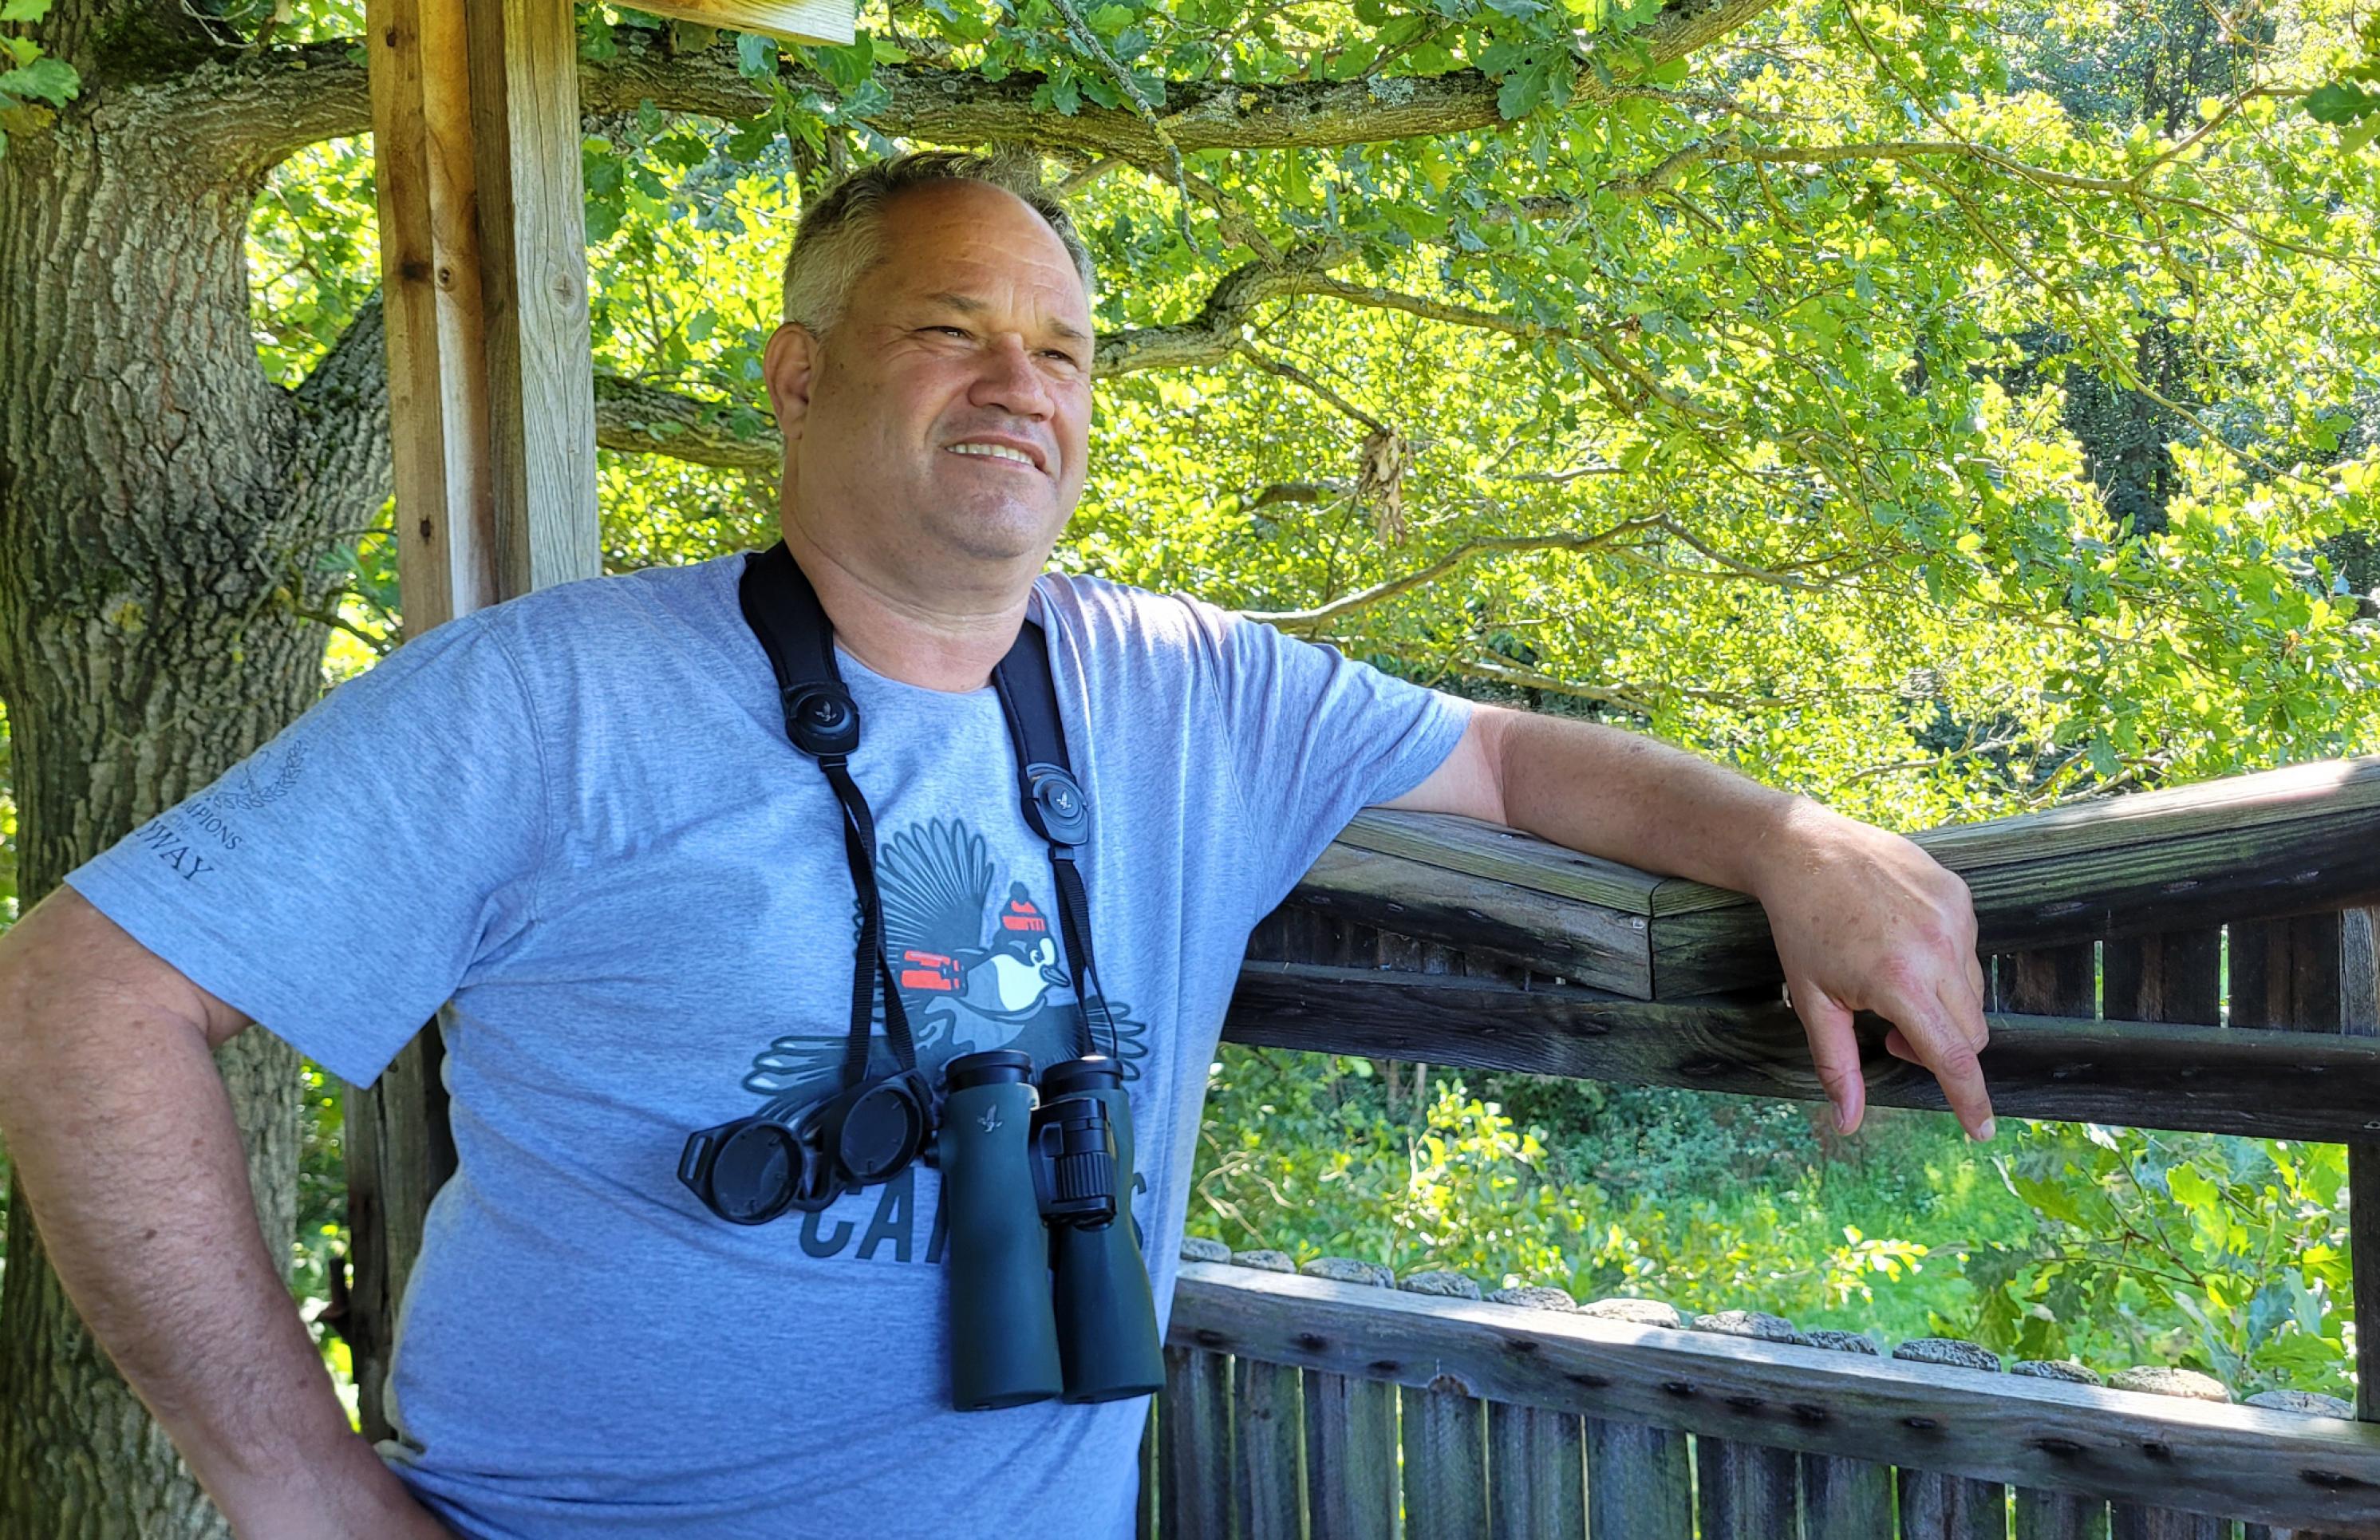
(1640,1479)
(2041,1514)
(1268,1498)
(1938,1505)
(1350,1435)
(1194,1434)
(1537,1468)
(1144,1503)
(1444,1431)
(1747,1491)
(2359,1010)
(1843,1498)
(2304,1405)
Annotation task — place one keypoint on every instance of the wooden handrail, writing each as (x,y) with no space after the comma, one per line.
(2248,847)
(2284,1469)
(2142,1074)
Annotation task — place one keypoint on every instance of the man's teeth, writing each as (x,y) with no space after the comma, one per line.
(997,451)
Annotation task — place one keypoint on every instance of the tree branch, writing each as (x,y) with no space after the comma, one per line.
(1323,614)
(633,418)
(339,453)
(958,106)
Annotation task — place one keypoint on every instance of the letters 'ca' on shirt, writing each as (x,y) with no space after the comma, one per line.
(576,820)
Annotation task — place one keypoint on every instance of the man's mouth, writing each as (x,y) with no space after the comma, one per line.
(996,452)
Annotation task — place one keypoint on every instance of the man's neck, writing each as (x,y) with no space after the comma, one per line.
(952,643)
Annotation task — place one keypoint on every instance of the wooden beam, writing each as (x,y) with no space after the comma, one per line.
(800,21)
(2284,843)
(475,120)
(2273,1085)
(2275,1467)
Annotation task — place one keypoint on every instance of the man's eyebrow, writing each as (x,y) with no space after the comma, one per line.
(966,304)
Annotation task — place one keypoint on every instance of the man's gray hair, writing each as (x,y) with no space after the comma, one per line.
(841,235)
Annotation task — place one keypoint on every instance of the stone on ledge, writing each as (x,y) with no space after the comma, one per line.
(1634,1312)
(2158,1380)
(1350,1269)
(1537,1296)
(1441,1282)
(1268,1261)
(1950,1351)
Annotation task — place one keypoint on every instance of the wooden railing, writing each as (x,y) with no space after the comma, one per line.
(1328,1405)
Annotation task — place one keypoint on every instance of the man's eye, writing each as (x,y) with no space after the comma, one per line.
(949,331)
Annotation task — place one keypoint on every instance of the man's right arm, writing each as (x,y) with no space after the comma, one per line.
(123,1136)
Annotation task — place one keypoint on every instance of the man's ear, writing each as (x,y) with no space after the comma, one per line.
(790,366)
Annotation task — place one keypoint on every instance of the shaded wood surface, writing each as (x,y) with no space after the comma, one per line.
(1444,1430)
(1194,1446)
(2273,1467)
(1639,1482)
(1537,1480)
(2279,1084)
(2248,847)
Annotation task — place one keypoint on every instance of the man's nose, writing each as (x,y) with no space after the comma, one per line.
(1011,379)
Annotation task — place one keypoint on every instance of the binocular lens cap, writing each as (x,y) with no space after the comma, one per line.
(755,1173)
(881,1133)
(1094,1071)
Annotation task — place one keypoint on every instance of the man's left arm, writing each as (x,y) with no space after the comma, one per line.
(1863,919)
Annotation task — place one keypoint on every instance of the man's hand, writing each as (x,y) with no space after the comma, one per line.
(1865,920)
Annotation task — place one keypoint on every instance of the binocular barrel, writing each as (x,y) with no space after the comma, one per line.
(1032,1190)
(1004,1338)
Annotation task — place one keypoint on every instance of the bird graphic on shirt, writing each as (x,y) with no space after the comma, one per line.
(974,973)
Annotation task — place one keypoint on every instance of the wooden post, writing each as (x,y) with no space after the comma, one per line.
(491,409)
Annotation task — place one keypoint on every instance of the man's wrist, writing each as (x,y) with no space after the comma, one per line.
(1786,833)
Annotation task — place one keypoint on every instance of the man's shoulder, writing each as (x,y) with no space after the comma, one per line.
(1113,618)
(656,614)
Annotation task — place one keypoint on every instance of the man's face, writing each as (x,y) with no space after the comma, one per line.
(948,412)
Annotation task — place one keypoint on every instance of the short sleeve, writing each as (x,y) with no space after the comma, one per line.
(1315,737)
(338,885)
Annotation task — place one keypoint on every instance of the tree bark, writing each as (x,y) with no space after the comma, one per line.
(161,507)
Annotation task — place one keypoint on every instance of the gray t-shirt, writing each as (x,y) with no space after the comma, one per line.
(574,818)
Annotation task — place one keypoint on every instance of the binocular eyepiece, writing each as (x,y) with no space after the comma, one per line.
(1050,1294)
(752,1169)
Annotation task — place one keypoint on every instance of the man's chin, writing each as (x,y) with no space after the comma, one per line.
(1007,533)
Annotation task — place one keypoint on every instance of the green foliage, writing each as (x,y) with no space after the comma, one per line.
(33,84)
(2227,1256)
(1708,1202)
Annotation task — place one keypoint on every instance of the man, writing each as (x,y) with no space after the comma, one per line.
(578,815)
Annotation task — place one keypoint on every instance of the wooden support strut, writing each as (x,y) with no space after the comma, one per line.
(483,271)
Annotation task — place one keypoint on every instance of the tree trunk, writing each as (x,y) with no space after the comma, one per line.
(157,536)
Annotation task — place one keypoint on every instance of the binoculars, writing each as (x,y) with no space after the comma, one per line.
(1050,1295)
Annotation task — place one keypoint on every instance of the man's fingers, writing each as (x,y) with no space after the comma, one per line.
(1944,1044)
(1833,1050)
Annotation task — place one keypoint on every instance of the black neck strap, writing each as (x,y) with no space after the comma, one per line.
(822,722)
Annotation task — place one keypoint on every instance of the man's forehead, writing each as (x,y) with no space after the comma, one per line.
(979,248)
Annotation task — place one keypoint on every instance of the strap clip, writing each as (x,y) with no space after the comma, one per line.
(1055,805)
(822,719)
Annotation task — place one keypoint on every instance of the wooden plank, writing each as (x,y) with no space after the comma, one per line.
(2165,1523)
(791,20)
(1746,1491)
(1844,1499)
(1639,1482)
(2281,1084)
(1443,1428)
(532,227)
(2271,1466)
(1350,1435)
(1537,1468)
(2249,848)
(1144,1502)
(1194,1444)
(2360,1017)
(2058,1516)
(1935,1506)
(1590,944)
(2174,976)
(1503,855)
(1268,1435)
